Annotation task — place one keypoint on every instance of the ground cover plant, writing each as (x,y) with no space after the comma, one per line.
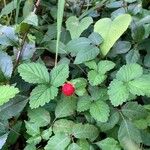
(75,75)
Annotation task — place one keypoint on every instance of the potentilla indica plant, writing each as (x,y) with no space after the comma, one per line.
(75,75)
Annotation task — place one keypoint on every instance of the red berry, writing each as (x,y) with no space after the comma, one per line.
(68,89)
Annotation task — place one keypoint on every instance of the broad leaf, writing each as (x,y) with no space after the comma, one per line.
(7,92)
(30,147)
(95,38)
(76,27)
(41,95)
(99,110)
(59,74)
(111,30)
(73,146)
(34,73)
(46,134)
(58,142)
(91,65)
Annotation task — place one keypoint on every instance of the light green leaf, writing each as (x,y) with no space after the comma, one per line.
(73,146)
(30,147)
(59,74)
(58,142)
(141,124)
(85,131)
(133,110)
(66,107)
(76,27)
(34,140)
(63,126)
(99,110)
(34,73)
(7,92)
(28,7)
(31,19)
(46,134)
(129,72)
(41,95)
(3,139)
(111,30)
(84,103)
(40,116)
(105,65)
(108,144)
(84,145)
(118,92)
(86,54)
(95,78)
(91,64)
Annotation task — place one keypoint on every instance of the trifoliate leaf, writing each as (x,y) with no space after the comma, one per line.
(63,126)
(40,116)
(66,107)
(105,65)
(59,74)
(73,146)
(7,92)
(58,142)
(111,30)
(108,144)
(95,78)
(99,110)
(84,103)
(41,95)
(85,131)
(34,73)
(133,110)
(118,92)
(129,72)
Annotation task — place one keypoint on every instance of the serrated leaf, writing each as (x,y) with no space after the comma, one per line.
(46,134)
(73,146)
(66,107)
(118,92)
(99,110)
(141,124)
(95,78)
(84,103)
(129,72)
(34,73)
(7,92)
(75,27)
(85,131)
(58,142)
(127,130)
(34,140)
(86,54)
(91,64)
(108,144)
(41,95)
(134,111)
(111,30)
(40,116)
(63,126)
(105,65)
(59,74)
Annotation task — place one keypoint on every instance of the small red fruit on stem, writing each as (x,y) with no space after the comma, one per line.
(68,89)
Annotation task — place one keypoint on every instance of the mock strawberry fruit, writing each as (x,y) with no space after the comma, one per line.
(68,89)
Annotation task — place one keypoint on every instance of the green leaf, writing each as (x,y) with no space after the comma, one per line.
(84,103)
(141,124)
(140,86)
(95,78)
(76,27)
(34,140)
(7,92)
(105,65)
(86,54)
(99,110)
(134,111)
(13,107)
(40,116)
(59,74)
(95,38)
(3,139)
(41,95)
(66,107)
(34,73)
(127,130)
(84,145)
(85,131)
(30,147)
(46,134)
(91,64)
(108,144)
(6,65)
(31,19)
(27,9)
(73,146)
(58,142)
(111,30)
(118,92)
(129,72)
(63,126)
